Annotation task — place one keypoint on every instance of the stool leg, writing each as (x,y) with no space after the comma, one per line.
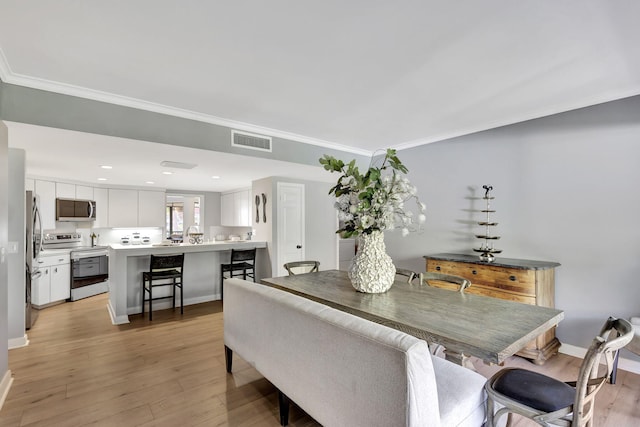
(143,292)
(181,297)
(174,292)
(150,298)
(221,283)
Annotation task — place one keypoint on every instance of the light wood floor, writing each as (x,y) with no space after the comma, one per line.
(80,370)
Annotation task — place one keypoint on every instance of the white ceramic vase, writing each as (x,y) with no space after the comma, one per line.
(372,270)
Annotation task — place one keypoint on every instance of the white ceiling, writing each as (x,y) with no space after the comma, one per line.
(360,74)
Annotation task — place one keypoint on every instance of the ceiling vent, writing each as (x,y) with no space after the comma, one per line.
(251,141)
(177,165)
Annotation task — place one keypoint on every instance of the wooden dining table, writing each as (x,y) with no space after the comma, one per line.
(466,325)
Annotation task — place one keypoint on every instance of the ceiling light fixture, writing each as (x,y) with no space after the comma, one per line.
(106,167)
(167,173)
(177,165)
(215,177)
(102,179)
(150,182)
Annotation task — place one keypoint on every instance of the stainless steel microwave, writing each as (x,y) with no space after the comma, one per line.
(75,210)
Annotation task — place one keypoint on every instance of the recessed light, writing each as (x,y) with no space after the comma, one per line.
(150,182)
(102,179)
(167,173)
(215,177)
(106,167)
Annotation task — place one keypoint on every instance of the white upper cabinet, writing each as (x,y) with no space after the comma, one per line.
(101,196)
(123,208)
(46,191)
(235,209)
(151,208)
(65,191)
(84,192)
(133,208)
(226,209)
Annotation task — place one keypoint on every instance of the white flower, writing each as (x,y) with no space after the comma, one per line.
(366,204)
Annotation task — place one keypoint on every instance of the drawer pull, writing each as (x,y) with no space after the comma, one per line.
(512,278)
(474,272)
(438,268)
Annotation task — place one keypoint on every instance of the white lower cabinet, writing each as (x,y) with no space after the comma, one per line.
(54,283)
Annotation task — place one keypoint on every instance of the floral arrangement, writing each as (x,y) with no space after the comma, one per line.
(376,200)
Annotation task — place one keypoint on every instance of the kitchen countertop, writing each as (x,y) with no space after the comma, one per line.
(190,247)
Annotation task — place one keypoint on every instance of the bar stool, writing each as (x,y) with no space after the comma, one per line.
(167,270)
(242,264)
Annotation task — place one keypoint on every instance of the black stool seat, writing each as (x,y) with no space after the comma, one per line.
(164,270)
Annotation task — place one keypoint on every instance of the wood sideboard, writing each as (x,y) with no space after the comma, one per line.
(525,281)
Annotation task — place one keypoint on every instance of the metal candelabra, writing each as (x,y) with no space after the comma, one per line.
(486,249)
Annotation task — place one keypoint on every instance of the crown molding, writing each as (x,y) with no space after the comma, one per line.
(10,77)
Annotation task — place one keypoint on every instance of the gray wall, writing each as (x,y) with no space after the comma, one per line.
(320,224)
(16,233)
(39,107)
(566,190)
(4,221)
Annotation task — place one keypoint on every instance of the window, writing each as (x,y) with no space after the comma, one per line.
(174,221)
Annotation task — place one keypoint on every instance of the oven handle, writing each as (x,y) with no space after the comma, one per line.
(75,256)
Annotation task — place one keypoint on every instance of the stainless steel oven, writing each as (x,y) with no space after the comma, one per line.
(89,272)
(89,264)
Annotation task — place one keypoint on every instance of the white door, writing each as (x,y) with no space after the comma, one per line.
(290,224)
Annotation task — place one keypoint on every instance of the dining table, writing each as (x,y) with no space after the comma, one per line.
(488,328)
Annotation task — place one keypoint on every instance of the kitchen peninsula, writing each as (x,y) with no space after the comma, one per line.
(201,272)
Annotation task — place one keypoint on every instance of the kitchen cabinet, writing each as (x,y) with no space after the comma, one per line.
(84,192)
(123,208)
(101,197)
(151,208)
(46,191)
(65,191)
(524,281)
(54,282)
(133,208)
(235,209)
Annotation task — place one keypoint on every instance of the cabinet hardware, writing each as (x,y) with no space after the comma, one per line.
(474,272)
(512,278)
(438,268)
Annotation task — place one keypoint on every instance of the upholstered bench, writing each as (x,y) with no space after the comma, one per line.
(343,370)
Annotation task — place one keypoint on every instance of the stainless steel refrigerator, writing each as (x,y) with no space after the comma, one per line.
(33,246)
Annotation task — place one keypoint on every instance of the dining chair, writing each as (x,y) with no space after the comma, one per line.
(633,346)
(301,267)
(549,401)
(409,274)
(451,282)
(164,270)
(242,263)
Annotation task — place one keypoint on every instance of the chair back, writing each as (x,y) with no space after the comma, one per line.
(302,267)
(615,334)
(243,255)
(461,282)
(166,262)
(410,275)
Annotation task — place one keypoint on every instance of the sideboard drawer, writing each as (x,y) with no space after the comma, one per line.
(508,280)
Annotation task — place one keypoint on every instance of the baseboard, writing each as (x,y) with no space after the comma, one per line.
(116,320)
(165,304)
(5,386)
(632,366)
(18,342)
